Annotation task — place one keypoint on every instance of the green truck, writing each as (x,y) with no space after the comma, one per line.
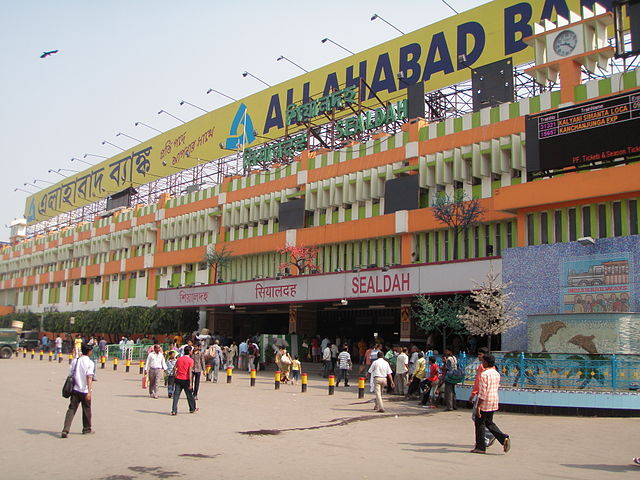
(8,342)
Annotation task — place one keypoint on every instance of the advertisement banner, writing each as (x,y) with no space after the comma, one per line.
(439,55)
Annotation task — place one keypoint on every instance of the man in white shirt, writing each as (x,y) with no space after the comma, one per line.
(243,348)
(83,370)
(402,367)
(380,372)
(58,343)
(326,360)
(154,366)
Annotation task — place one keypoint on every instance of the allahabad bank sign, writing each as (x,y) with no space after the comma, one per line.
(484,34)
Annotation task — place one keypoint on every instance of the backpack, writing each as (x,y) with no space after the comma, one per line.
(251,350)
(455,376)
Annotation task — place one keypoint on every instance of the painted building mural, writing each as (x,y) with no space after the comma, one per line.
(596,284)
(576,298)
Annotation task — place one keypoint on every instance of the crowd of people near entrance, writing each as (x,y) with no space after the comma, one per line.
(406,371)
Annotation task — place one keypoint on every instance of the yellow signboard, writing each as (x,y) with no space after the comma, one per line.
(431,54)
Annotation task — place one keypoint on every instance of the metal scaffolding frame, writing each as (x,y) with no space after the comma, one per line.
(449,102)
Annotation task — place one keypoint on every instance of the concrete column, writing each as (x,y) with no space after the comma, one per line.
(407,327)
(202,318)
(293,319)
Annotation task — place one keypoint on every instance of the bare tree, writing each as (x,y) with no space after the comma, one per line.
(494,311)
(440,315)
(458,213)
(218,259)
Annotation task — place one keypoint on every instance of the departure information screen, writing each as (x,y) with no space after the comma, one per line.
(592,132)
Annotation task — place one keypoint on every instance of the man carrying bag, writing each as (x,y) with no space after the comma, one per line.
(82,370)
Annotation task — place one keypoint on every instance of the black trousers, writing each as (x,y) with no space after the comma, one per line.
(426,391)
(196,383)
(179,386)
(76,399)
(486,422)
(414,386)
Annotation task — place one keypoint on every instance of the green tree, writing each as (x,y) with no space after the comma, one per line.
(440,315)
(458,212)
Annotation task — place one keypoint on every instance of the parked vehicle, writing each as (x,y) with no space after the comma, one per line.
(8,342)
(29,340)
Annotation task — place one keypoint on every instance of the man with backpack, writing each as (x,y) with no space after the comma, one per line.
(253,352)
(452,375)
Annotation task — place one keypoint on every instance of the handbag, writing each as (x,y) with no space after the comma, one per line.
(286,360)
(69,383)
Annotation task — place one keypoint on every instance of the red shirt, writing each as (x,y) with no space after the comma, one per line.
(476,384)
(433,372)
(182,367)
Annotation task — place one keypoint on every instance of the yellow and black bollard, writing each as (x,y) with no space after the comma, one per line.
(277,380)
(24,352)
(41,355)
(361,381)
(141,367)
(60,357)
(332,384)
(229,374)
(303,382)
(17,351)
(33,353)
(253,377)
(127,365)
(50,356)
(102,361)
(70,358)
(115,363)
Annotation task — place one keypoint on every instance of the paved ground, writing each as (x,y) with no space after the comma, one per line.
(321,436)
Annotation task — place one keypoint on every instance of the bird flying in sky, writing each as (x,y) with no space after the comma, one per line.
(46,54)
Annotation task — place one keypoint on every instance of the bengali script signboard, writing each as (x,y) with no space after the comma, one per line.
(396,282)
(485,34)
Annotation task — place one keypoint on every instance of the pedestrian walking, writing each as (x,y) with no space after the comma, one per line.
(198,368)
(380,372)
(171,372)
(184,381)
(450,368)
(326,361)
(419,374)
(487,406)
(243,354)
(473,398)
(344,364)
(402,368)
(154,368)
(58,344)
(82,369)
(253,354)
(429,384)
(296,368)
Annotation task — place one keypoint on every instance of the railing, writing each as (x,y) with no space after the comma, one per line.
(562,371)
(131,352)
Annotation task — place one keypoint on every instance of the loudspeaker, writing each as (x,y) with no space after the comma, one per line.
(415,99)
(633,9)
(492,84)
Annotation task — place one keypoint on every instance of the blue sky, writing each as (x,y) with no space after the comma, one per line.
(122,61)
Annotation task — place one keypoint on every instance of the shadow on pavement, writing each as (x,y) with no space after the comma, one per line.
(602,467)
(33,431)
(156,412)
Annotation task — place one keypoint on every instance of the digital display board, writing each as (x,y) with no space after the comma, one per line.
(577,136)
